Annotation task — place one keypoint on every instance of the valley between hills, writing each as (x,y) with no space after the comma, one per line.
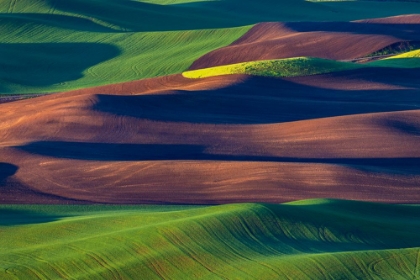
(175,139)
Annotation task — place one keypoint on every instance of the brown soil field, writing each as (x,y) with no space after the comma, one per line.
(352,135)
(338,40)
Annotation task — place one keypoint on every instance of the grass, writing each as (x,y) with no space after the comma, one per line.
(312,239)
(289,67)
(120,40)
(409,59)
(303,66)
(410,54)
(396,48)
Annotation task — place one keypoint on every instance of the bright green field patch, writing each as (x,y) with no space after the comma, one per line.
(54,66)
(302,66)
(410,54)
(289,67)
(409,59)
(313,239)
(129,40)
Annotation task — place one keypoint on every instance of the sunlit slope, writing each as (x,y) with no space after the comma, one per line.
(410,54)
(289,67)
(116,41)
(405,60)
(305,240)
(302,66)
(232,138)
(341,41)
(68,64)
(47,49)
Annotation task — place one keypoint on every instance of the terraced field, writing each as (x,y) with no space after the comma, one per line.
(313,239)
(182,139)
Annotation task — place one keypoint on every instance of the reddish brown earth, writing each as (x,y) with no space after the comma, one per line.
(338,40)
(349,135)
(352,135)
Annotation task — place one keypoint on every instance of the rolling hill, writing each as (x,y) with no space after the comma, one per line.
(184,139)
(350,134)
(112,41)
(313,239)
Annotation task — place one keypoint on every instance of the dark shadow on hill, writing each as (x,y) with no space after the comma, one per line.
(401,31)
(138,16)
(149,152)
(396,48)
(407,127)
(12,191)
(330,40)
(265,100)
(7,170)
(369,211)
(128,15)
(341,216)
(401,77)
(14,217)
(46,64)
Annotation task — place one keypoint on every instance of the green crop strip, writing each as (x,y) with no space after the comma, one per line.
(303,66)
(289,67)
(347,239)
(57,45)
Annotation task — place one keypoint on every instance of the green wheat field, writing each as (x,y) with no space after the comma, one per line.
(309,239)
(54,46)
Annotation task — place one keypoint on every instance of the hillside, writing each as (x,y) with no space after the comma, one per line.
(351,134)
(314,239)
(214,139)
(54,46)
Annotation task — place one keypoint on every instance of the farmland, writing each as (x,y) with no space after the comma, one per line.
(305,239)
(182,139)
(50,46)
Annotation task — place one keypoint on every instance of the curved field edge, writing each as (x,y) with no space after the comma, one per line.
(119,41)
(409,59)
(311,239)
(69,64)
(301,66)
(289,67)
